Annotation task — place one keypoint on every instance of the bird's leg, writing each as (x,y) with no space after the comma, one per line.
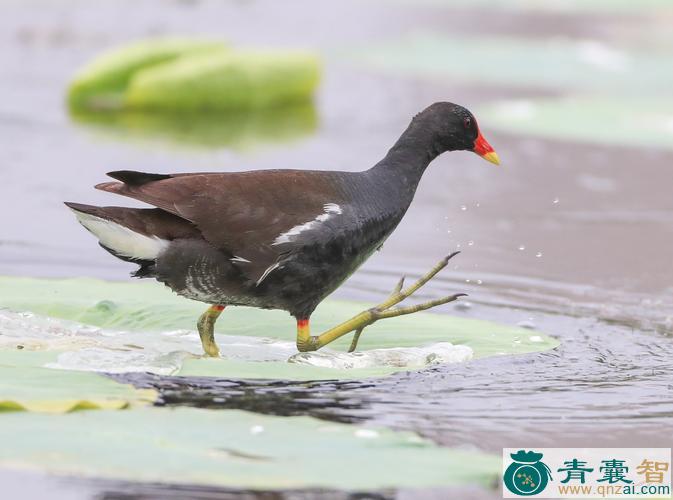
(206,327)
(304,338)
(306,342)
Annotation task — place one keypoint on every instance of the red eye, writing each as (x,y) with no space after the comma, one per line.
(467,121)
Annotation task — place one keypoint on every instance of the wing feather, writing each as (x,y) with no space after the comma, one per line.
(244,213)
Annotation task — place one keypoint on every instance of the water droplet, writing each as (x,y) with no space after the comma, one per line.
(467,281)
(479,282)
(457,245)
(538,255)
(522,247)
(470,243)
(477,204)
(448,231)
(463,207)
(556,200)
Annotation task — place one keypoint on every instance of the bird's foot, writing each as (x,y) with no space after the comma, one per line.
(206,327)
(384,310)
(387,310)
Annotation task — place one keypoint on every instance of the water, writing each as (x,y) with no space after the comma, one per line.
(575,239)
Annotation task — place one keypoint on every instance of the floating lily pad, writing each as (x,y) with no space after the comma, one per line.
(194,74)
(243,79)
(102,83)
(28,388)
(555,64)
(148,328)
(234,449)
(631,122)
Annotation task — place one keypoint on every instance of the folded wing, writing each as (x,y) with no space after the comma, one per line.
(258,217)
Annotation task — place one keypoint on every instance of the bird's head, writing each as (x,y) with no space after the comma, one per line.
(454,128)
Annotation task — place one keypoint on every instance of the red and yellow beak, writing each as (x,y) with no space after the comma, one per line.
(485,150)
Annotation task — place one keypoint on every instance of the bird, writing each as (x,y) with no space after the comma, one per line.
(278,239)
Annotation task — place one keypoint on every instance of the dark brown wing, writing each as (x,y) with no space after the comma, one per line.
(243,213)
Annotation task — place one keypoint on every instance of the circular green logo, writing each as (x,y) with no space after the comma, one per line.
(526,475)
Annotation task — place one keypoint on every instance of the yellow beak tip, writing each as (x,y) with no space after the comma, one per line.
(492,157)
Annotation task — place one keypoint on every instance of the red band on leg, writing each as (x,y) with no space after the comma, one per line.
(302,323)
(218,308)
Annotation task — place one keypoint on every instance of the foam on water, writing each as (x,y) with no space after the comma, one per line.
(88,348)
(411,357)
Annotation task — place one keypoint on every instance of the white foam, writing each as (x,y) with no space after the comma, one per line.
(398,357)
(105,360)
(88,348)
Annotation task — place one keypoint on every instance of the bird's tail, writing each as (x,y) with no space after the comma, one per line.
(135,235)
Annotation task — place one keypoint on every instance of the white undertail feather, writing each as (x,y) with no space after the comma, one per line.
(122,240)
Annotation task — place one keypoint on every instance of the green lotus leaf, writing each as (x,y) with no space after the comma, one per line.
(102,83)
(631,122)
(242,79)
(148,328)
(192,74)
(234,449)
(30,388)
(553,64)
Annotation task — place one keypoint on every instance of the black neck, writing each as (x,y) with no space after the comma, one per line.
(409,157)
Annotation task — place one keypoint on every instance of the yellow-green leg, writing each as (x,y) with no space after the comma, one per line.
(206,327)
(308,342)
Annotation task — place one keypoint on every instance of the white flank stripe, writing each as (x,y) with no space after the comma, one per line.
(121,239)
(236,258)
(266,273)
(330,209)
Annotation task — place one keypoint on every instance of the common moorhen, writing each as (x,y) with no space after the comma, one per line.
(278,239)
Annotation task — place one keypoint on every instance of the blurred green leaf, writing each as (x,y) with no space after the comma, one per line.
(532,64)
(101,84)
(234,449)
(30,388)
(242,79)
(630,122)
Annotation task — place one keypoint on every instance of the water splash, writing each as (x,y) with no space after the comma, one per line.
(433,354)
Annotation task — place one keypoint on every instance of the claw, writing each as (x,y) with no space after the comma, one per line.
(451,256)
(384,310)
(398,287)
(356,338)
